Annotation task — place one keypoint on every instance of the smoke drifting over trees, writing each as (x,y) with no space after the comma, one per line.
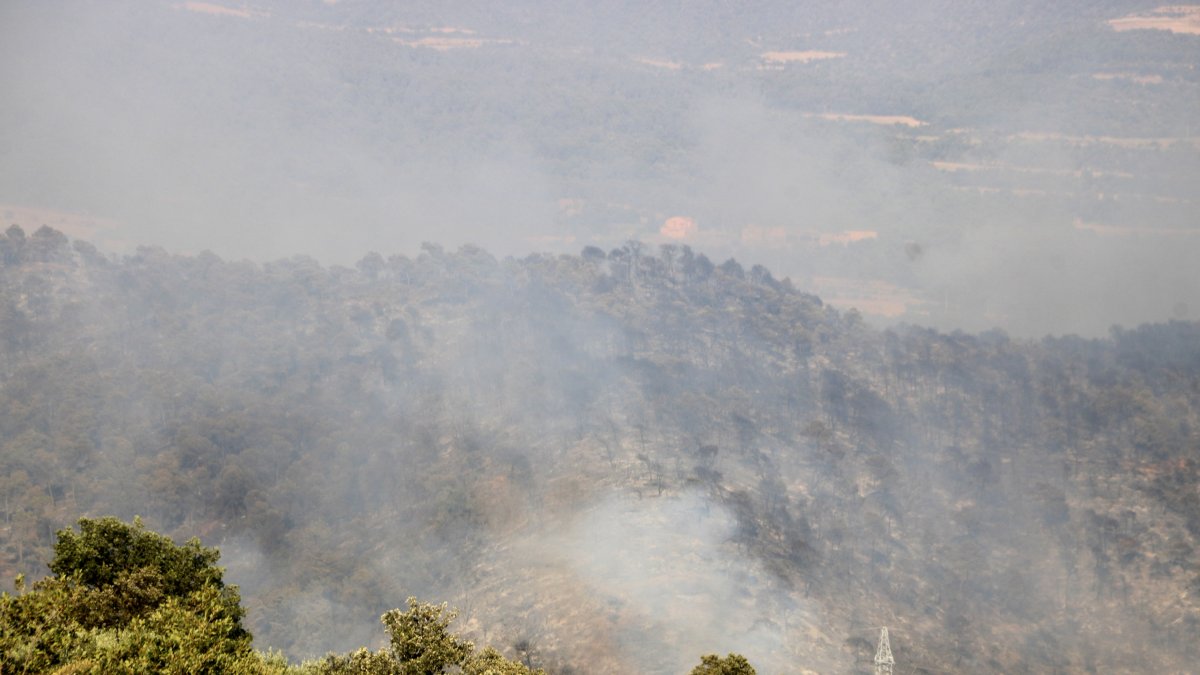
(637,334)
(609,459)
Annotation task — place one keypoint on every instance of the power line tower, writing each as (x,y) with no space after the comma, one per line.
(883,655)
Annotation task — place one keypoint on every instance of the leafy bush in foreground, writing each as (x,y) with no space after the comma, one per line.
(127,600)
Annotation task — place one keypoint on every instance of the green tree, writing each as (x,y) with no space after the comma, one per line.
(421,644)
(421,640)
(491,662)
(127,600)
(127,571)
(733,664)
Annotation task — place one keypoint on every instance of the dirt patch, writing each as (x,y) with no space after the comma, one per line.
(887,120)
(409,30)
(1126,231)
(779,59)
(391,30)
(800,57)
(678,227)
(438,38)
(1153,143)
(846,237)
(1184,19)
(1016,192)
(1131,77)
(956,167)
(445,44)
(779,236)
(220,10)
(315,25)
(869,296)
(658,63)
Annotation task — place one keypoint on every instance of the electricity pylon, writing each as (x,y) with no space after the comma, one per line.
(883,655)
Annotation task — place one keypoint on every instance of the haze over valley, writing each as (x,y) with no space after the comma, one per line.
(635,332)
(983,165)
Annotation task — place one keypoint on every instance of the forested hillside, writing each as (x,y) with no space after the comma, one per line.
(610,462)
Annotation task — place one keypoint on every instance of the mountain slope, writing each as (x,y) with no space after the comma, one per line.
(612,459)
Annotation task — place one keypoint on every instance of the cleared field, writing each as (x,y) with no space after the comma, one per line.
(869,296)
(445,44)
(886,120)
(1118,141)
(1124,231)
(956,167)
(221,10)
(1183,19)
(778,60)
(846,237)
(678,227)
(659,63)
(1130,77)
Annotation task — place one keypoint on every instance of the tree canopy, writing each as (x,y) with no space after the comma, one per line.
(733,664)
(124,599)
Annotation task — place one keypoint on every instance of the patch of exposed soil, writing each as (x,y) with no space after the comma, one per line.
(1130,142)
(221,10)
(779,59)
(1131,77)
(1184,19)
(445,44)
(887,120)
(1126,231)
(659,63)
(678,227)
(869,296)
(846,237)
(955,167)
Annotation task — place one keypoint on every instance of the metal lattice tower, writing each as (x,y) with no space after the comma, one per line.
(883,655)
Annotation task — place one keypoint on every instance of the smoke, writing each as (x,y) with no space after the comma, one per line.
(283,129)
(1080,282)
(195,131)
(682,589)
(642,583)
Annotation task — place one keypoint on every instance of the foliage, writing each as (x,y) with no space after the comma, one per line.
(127,600)
(421,640)
(124,599)
(421,643)
(733,664)
(488,661)
(130,569)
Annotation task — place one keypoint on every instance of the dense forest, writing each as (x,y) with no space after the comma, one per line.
(608,462)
